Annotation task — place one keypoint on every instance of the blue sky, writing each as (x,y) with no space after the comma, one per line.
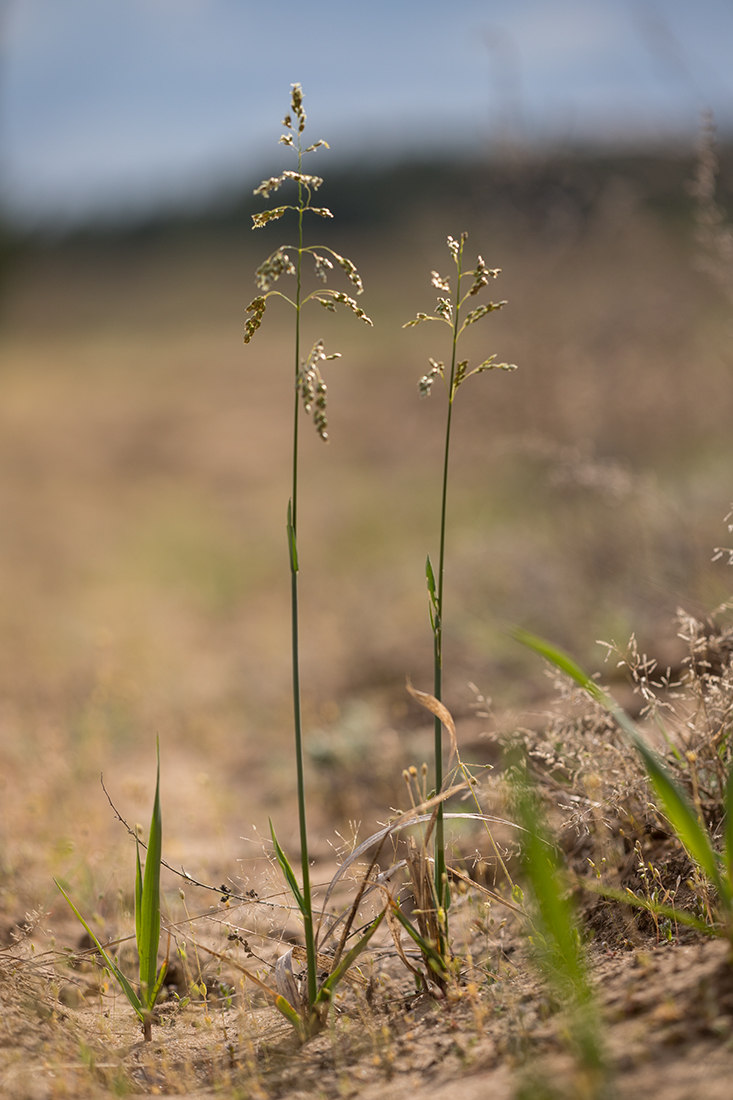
(114,105)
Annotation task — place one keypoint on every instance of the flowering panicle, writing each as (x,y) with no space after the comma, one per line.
(448,310)
(283,260)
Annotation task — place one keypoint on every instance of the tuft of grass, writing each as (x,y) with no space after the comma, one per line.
(450,309)
(147,924)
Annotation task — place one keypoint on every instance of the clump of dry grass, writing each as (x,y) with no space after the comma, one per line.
(627,833)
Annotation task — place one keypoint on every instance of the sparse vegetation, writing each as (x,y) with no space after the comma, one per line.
(141,583)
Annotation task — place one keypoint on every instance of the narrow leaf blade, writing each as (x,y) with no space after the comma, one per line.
(436,959)
(108,962)
(333,979)
(150,908)
(287,870)
(138,892)
(728,829)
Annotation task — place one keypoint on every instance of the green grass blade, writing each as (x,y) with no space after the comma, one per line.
(138,892)
(289,874)
(684,820)
(430,578)
(562,957)
(728,828)
(290,1015)
(677,807)
(158,984)
(149,924)
(555,937)
(679,916)
(436,959)
(333,979)
(292,544)
(108,962)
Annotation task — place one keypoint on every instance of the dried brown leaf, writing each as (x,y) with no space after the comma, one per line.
(436,707)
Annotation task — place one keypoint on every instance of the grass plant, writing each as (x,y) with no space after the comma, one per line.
(452,312)
(147,924)
(310,390)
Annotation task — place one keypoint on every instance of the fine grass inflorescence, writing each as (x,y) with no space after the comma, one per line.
(309,390)
(452,300)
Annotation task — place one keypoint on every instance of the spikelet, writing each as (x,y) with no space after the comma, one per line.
(313,389)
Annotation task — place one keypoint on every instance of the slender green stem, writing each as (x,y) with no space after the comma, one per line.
(441,891)
(310,945)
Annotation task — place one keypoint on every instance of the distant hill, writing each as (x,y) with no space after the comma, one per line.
(380,197)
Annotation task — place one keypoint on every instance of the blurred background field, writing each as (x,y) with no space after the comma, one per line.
(145,452)
(145,474)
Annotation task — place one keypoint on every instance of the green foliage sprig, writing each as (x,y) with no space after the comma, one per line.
(147,924)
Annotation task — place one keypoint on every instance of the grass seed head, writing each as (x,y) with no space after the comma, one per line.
(425,384)
(444,309)
(323,266)
(274,266)
(296,100)
(313,389)
(439,282)
(257,308)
